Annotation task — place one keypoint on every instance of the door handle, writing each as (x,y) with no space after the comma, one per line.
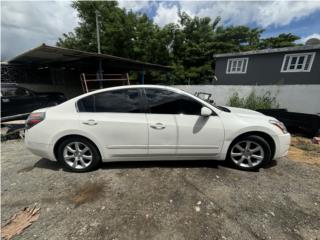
(158,126)
(90,122)
(5,100)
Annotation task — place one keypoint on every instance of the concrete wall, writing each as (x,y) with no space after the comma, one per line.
(296,98)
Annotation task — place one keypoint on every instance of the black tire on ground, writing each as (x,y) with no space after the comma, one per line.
(96,158)
(256,139)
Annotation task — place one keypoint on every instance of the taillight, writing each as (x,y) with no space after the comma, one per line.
(34,119)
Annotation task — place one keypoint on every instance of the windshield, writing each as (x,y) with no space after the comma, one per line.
(207,97)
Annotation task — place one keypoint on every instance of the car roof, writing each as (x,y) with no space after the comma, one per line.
(130,87)
(138,86)
(73,101)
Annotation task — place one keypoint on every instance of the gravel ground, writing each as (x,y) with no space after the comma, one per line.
(161,200)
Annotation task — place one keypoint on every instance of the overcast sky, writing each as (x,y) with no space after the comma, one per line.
(27,24)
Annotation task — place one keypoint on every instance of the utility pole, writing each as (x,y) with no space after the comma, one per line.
(98,31)
(100,71)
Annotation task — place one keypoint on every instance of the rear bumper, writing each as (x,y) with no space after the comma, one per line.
(40,149)
(283,144)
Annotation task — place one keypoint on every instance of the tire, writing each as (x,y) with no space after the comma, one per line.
(78,154)
(249,158)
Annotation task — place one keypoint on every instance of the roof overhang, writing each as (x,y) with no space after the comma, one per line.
(269,51)
(47,55)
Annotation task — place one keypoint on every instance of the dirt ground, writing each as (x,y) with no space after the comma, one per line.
(303,150)
(161,200)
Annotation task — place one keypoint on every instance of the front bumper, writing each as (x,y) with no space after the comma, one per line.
(283,144)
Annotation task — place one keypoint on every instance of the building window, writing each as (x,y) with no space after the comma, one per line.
(298,62)
(237,65)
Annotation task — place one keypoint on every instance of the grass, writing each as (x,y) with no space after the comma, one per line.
(253,101)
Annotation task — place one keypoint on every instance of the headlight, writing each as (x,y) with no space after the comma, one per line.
(280,125)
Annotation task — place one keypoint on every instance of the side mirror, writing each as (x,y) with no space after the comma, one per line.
(206,112)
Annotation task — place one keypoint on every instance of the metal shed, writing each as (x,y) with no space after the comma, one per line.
(45,54)
(59,69)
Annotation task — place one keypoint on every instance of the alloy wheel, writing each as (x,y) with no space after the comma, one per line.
(247,154)
(77,155)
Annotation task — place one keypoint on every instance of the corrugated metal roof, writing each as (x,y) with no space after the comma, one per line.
(269,51)
(45,54)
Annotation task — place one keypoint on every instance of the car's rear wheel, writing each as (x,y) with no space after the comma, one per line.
(78,154)
(249,153)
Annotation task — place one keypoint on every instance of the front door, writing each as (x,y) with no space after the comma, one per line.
(115,120)
(193,135)
(199,135)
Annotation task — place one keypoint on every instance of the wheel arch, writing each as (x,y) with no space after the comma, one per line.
(267,137)
(61,139)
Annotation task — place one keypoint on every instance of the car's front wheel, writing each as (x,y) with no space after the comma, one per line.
(249,153)
(78,154)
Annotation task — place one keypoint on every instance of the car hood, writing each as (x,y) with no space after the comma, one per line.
(245,111)
(249,115)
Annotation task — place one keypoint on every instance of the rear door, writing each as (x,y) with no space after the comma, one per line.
(162,125)
(115,119)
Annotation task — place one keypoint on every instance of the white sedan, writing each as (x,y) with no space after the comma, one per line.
(147,122)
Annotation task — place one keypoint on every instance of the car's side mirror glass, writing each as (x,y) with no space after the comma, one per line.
(205,112)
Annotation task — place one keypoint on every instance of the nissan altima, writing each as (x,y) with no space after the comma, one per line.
(148,122)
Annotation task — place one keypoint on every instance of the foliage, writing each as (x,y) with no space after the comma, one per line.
(253,101)
(187,46)
(124,34)
(282,40)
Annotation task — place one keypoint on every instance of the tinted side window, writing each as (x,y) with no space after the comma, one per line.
(86,104)
(167,102)
(122,101)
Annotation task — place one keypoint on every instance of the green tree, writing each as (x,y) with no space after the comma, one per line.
(188,46)
(125,34)
(197,39)
(237,38)
(192,49)
(282,40)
